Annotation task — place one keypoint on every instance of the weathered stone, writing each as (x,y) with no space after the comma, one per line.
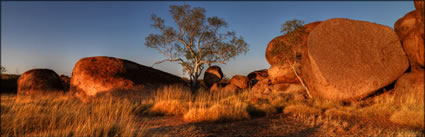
(239,81)
(411,84)
(256,76)
(350,59)
(282,73)
(410,30)
(212,75)
(280,48)
(39,82)
(95,75)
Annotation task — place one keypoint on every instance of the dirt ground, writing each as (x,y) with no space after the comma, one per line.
(277,125)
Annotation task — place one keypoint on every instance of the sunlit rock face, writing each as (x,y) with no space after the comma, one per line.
(239,81)
(212,75)
(39,82)
(411,83)
(350,59)
(282,74)
(410,29)
(94,75)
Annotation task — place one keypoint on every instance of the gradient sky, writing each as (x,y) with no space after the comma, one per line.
(56,35)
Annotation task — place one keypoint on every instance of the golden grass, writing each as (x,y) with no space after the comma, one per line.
(62,116)
(203,106)
(115,116)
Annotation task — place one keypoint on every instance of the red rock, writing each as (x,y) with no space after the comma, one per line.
(282,73)
(412,84)
(230,88)
(349,59)
(95,75)
(39,82)
(256,76)
(212,75)
(239,81)
(410,30)
(279,49)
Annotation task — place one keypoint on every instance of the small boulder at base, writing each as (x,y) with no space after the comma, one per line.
(39,82)
(410,30)
(212,75)
(94,75)
(411,84)
(256,76)
(239,81)
(282,73)
(350,59)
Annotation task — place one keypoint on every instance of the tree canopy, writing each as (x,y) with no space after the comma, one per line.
(195,41)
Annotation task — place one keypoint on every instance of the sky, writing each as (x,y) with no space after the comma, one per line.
(56,35)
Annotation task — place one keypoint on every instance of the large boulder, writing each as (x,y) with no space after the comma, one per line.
(350,59)
(39,82)
(280,48)
(410,30)
(411,84)
(94,75)
(239,81)
(282,73)
(256,76)
(212,75)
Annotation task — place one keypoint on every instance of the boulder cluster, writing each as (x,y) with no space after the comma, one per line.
(336,59)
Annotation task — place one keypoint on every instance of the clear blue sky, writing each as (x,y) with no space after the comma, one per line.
(56,34)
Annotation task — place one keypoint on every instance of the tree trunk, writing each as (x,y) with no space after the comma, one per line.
(195,83)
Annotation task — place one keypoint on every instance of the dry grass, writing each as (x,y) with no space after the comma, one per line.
(202,106)
(62,116)
(115,116)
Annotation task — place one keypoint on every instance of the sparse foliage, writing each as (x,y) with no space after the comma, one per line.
(197,40)
(293,29)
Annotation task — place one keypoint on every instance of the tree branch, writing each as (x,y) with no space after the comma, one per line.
(171,60)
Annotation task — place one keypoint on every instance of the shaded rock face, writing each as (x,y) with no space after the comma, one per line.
(212,75)
(410,30)
(349,59)
(411,83)
(65,80)
(282,74)
(278,49)
(256,76)
(94,75)
(239,81)
(39,82)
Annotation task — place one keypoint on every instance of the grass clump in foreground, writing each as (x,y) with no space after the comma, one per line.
(404,109)
(63,116)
